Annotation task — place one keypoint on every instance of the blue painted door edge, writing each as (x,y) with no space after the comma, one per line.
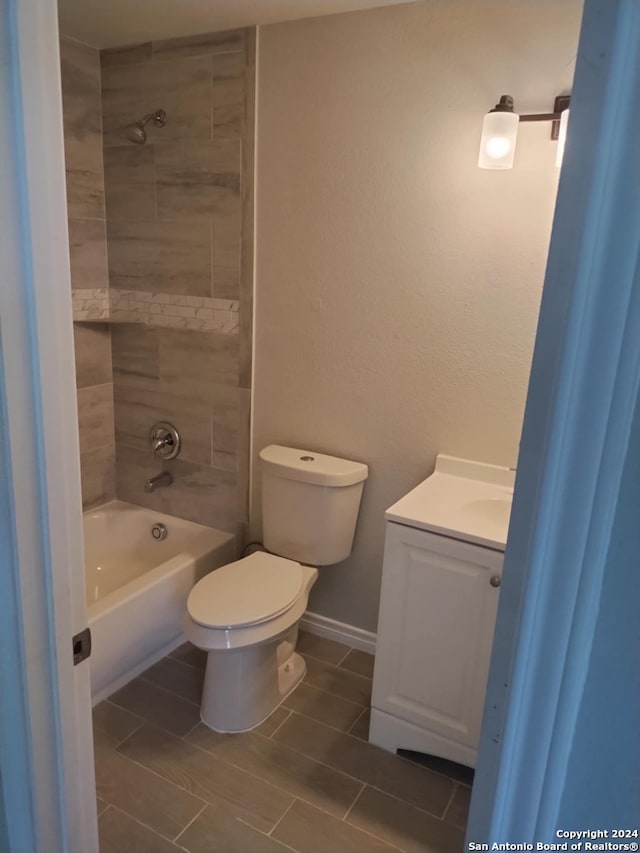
(578,420)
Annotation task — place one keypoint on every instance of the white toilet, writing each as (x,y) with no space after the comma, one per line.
(246,614)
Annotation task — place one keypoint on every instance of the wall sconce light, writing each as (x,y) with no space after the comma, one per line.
(500,131)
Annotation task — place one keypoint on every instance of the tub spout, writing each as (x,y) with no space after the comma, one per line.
(164,478)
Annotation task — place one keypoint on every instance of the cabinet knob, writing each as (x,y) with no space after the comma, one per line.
(495,580)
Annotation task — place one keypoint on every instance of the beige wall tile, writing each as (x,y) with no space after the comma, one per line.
(227,228)
(228,95)
(226,282)
(80,72)
(222,42)
(171,257)
(199,493)
(135,355)
(80,77)
(181,87)
(85,187)
(137,409)
(93,354)
(198,178)
(97,468)
(88,253)
(95,417)
(228,79)
(195,363)
(129,164)
(126,55)
(130,182)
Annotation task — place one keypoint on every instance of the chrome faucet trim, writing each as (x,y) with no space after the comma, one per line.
(164,478)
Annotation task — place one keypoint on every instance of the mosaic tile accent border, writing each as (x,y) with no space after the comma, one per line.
(90,304)
(170,310)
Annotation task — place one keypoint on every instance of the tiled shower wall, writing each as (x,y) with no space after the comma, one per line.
(88,247)
(179,223)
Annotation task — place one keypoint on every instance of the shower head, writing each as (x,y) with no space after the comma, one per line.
(136,132)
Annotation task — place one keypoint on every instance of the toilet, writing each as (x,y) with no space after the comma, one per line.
(245,615)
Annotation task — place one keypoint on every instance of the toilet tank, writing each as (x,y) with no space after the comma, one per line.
(310,504)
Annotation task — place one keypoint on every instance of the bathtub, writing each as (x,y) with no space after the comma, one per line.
(137,586)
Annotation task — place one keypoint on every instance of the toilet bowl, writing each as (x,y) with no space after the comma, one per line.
(246,616)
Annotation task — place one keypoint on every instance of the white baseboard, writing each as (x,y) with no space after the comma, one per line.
(331,629)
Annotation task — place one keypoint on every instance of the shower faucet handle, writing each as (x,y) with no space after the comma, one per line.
(165,440)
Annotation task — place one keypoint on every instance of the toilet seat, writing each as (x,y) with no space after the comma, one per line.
(249,591)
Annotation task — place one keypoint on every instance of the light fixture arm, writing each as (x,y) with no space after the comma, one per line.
(560,104)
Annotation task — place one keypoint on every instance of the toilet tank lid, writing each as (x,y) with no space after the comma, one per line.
(307,466)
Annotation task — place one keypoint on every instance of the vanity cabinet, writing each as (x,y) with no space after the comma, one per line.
(439,599)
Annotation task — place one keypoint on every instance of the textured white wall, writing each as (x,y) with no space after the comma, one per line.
(398,285)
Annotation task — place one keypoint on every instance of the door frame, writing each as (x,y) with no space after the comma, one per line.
(45,706)
(583,391)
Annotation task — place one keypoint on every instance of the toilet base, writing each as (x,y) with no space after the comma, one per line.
(242,687)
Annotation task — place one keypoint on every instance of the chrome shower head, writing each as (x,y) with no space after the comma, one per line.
(136,132)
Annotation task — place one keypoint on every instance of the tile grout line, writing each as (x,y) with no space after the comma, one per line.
(356,779)
(328,693)
(282,816)
(168,690)
(184,829)
(355,722)
(161,777)
(357,797)
(280,725)
(343,658)
(451,799)
(142,823)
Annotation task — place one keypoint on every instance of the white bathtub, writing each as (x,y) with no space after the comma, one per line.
(137,586)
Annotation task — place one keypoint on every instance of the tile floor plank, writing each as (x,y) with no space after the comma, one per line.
(360,728)
(407,827)
(359,662)
(208,777)
(120,833)
(285,768)
(190,655)
(143,795)
(112,724)
(177,677)
(216,831)
(309,830)
(324,707)
(157,706)
(318,647)
(368,763)
(273,721)
(340,682)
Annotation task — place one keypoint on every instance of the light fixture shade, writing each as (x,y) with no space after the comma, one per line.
(562,137)
(498,143)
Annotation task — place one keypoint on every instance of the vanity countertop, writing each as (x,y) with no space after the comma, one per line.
(462,499)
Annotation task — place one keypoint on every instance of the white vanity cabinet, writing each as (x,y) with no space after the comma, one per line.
(439,599)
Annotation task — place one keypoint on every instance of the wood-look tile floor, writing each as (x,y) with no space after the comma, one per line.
(306,780)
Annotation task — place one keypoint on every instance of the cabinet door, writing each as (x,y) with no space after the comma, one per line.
(437,617)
